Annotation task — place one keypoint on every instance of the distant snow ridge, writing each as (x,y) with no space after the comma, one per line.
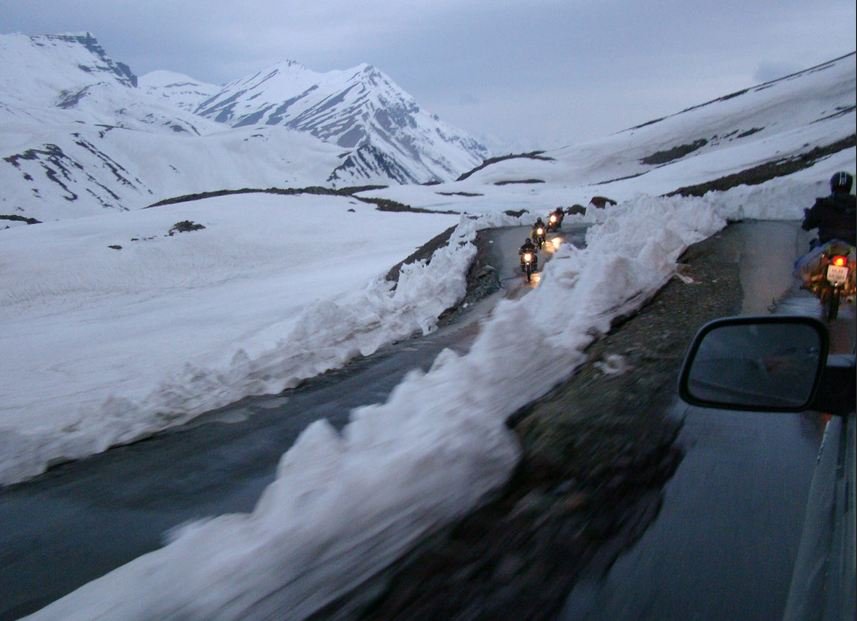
(177,88)
(360,109)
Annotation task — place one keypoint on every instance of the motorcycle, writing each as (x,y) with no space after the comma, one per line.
(554,222)
(529,263)
(539,237)
(828,272)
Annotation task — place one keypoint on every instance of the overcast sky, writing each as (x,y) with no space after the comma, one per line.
(516,73)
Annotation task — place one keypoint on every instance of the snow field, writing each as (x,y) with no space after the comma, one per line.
(103,346)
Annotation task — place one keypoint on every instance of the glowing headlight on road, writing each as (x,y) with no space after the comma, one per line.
(528,257)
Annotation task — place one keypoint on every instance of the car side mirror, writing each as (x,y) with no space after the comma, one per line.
(771,363)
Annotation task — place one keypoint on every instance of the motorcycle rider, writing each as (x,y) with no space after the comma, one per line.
(835,216)
(529,246)
(560,214)
(554,220)
(538,225)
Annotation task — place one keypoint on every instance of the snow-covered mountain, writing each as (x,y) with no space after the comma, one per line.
(771,129)
(179,89)
(56,80)
(79,133)
(53,69)
(360,109)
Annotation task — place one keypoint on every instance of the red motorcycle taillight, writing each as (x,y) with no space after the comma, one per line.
(839,261)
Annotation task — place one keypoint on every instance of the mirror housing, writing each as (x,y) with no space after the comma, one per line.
(772,363)
(836,394)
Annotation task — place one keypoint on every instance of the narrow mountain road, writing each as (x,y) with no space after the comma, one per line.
(629,504)
(82,519)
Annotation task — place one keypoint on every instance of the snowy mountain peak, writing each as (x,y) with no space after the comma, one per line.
(271,77)
(44,71)
(357,108)
(164,78)
(288,63)
(179,89)
(101,64)
(366,69)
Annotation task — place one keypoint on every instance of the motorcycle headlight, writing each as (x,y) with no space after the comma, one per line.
(540,230)
(528,257)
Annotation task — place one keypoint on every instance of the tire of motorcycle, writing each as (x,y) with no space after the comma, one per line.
(529,273)
(833,305)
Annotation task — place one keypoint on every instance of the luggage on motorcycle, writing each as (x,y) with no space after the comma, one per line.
(828,271)
(812,267)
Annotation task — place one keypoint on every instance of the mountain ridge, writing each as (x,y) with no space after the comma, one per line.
(769,124)
(88,139)
(81,133)
(354,108)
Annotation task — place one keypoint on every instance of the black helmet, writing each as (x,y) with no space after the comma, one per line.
(841,182)
(529,241)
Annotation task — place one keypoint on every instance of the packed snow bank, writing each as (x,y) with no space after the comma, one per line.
(104,345)
(345,505)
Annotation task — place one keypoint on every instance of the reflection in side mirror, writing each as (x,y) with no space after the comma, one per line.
(771,363)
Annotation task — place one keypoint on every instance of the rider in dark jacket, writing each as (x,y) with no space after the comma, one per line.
(557,215)
(534,233)
(529,246)
(834,216)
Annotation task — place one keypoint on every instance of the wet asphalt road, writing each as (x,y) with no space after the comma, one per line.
(83,519)
(725,541)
